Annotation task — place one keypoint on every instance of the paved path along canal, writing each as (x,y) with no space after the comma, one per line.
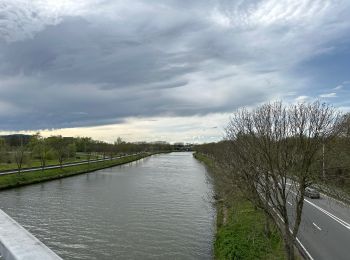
(155,208)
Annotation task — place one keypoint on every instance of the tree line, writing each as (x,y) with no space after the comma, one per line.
(24,149)
(272,153)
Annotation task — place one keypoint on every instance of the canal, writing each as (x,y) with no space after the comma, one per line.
(155,208)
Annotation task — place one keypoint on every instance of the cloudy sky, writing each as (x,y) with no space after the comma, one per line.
(165,69)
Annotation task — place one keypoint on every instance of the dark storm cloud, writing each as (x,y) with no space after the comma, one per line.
(83,63)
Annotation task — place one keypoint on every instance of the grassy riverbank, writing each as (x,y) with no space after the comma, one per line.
(240,228)
(25,178)
(36,162)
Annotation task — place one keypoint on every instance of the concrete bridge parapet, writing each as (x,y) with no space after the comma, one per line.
(16,243)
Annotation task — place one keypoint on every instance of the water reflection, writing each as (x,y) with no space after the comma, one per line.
(156,208)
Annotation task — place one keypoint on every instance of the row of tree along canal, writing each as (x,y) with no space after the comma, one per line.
(25,151)
(267,152)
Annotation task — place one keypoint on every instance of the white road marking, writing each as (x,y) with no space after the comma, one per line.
(335,200)
(302,246)
(307,252)
(339,220)
(325,195)
(313,223)
(290,203)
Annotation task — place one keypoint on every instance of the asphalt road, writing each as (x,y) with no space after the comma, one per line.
(324,232)
(63,165)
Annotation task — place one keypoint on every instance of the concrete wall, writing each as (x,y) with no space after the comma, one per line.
(16,243)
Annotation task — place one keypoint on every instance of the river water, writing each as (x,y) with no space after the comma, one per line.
(155,208)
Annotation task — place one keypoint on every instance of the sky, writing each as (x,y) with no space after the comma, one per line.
(171,70)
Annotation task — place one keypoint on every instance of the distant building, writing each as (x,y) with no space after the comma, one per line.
(16,139)
(160,142)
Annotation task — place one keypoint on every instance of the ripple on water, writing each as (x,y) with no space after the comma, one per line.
(152,209)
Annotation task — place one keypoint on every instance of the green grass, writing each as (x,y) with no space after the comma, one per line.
(204,159)
(243,235)
(15,180)
(35,163)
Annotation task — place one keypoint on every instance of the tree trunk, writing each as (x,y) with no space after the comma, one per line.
(42,162)
(288,243)
(267,195)
(61,162)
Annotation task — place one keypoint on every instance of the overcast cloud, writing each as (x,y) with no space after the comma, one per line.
(66,64)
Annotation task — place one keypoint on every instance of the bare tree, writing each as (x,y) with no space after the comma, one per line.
(336,162)
(275,154)
(39,147)
(19,154)
(60,145)
(3,150)
(87,147)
